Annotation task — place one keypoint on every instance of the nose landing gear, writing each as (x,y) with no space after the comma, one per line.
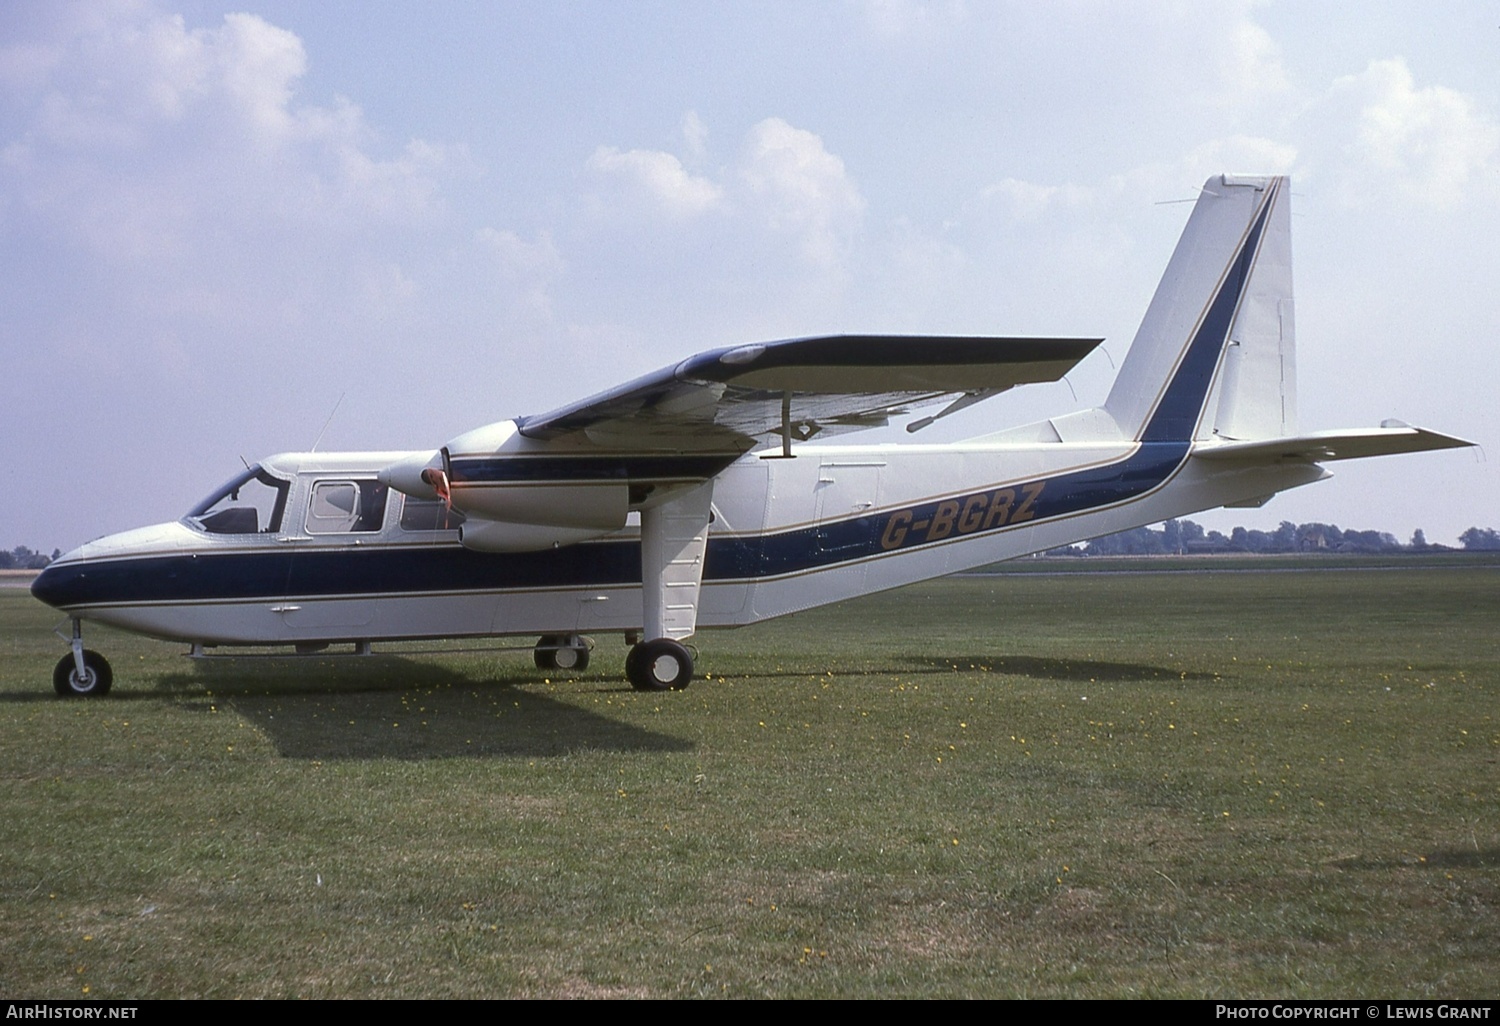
(82,673)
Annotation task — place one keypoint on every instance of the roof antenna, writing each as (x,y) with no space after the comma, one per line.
(335,409)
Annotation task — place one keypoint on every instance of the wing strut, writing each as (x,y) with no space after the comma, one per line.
(786,425)
(961,403)
(802,432)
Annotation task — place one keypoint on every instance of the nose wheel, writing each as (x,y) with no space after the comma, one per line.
(91,681)
(83,673)
(659,665)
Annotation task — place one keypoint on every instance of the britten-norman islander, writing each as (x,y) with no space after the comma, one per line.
(704,495)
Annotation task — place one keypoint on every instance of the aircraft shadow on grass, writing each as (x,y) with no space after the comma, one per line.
(1038,667)
(1044,668)
(407,710)
(1480,858)
(1463,858)
(391,708)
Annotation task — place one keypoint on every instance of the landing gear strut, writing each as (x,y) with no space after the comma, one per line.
(82,673)
(562,652)
(659,665)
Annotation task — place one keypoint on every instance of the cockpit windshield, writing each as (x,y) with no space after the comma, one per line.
(252,503)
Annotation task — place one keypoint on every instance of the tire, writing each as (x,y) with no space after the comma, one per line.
(556,652)
(573,659)
(544,655)
(95,682)
(659,665)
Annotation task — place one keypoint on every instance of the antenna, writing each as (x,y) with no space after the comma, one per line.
(335,409)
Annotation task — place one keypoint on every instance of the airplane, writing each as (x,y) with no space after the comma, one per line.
(704,496)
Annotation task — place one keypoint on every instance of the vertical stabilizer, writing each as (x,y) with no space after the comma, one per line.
(1215,354)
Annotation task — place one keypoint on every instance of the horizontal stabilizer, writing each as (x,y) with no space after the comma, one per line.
(1333,445)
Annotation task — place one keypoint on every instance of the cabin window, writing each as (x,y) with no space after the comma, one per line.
(344,507)
(429,515)
(251,503)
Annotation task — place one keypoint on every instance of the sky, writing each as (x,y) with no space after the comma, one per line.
(230,230)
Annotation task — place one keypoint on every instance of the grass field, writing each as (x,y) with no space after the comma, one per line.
(1218,784)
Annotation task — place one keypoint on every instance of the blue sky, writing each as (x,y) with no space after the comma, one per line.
(216,219)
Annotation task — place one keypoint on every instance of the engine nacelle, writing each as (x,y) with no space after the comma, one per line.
(597,506)
(523,517)
(500,536)
(406,476)
(510,492)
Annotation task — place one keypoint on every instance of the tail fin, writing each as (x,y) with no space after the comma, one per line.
(1215,355)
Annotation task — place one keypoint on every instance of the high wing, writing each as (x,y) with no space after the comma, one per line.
(735,398)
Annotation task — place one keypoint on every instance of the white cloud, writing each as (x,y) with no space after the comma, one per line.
(123,75)
(395,189)
(798,187)
(1027,201)
(177,215)
(695,136)
(660,178)
(784,184)
(519,258)
(1159,181)
(261,64)
(1250,65)
(1379,128)
(528,269)
(142,137)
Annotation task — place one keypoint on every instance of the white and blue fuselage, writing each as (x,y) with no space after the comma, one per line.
(831,524)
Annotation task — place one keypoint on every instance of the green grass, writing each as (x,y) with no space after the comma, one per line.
(1215,784)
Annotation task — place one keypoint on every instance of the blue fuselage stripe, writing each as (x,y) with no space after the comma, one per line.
(371,569)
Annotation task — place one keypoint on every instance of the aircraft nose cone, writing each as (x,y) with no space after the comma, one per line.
(55,585)
(45,585)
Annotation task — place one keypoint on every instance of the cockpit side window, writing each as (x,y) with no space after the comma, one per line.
(251,503)
(342,507)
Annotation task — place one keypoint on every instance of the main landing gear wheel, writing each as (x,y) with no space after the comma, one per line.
(95,680)
(659,665)
(561,652)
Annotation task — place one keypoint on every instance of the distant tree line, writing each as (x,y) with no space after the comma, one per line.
(1480,539)
(22,558)
(1183,537)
